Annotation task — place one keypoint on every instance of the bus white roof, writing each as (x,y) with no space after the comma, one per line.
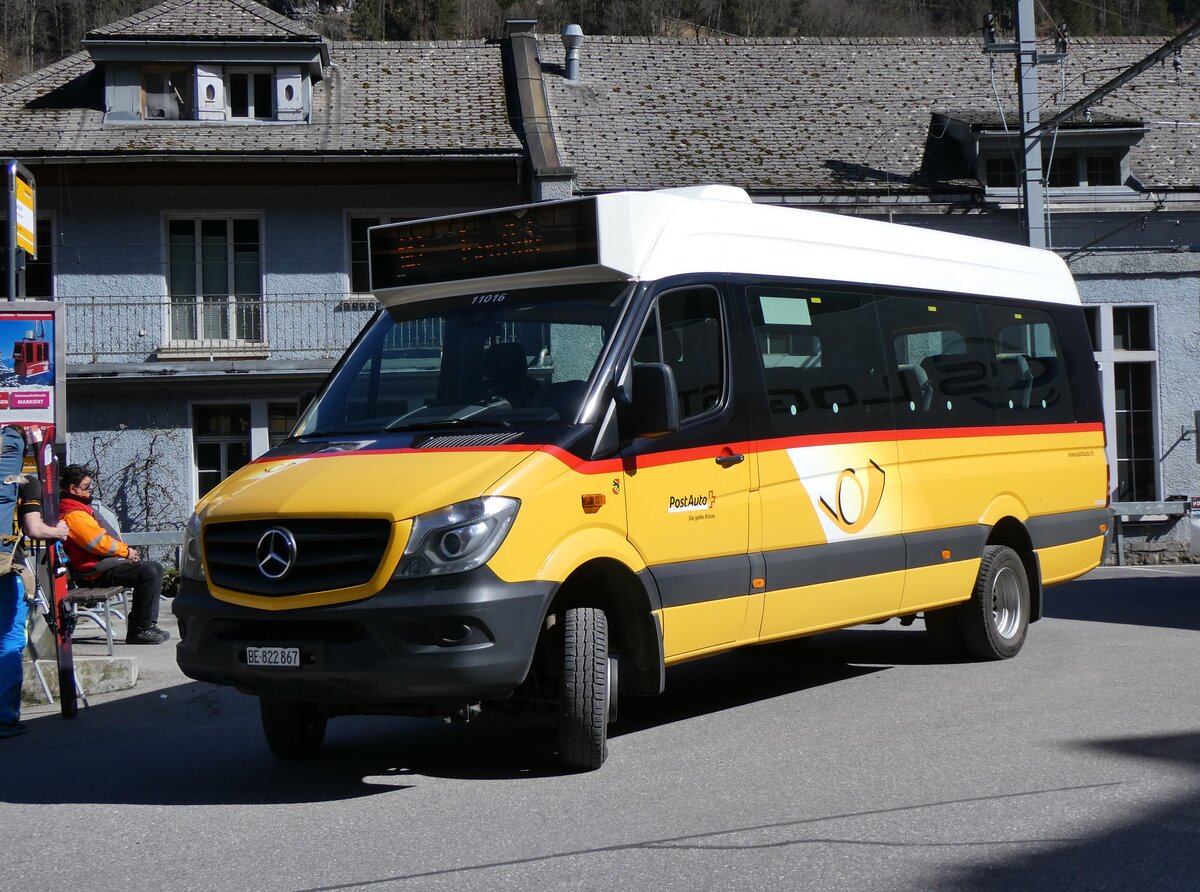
(718,229)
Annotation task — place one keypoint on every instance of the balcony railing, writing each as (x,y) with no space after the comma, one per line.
(107,329)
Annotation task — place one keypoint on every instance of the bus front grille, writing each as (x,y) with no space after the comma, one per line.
(294,557)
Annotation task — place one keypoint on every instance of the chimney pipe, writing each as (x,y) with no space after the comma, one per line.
(572,38)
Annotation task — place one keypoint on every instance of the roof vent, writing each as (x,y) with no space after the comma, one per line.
(572,38)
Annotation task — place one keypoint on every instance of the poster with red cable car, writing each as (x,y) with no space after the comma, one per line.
(30,367)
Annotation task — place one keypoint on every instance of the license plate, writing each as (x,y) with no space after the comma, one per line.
(273,657)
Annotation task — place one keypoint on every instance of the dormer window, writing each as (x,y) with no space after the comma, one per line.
(167,93)
(1062,171)
(251,93)
(206,91)
(1103,170)
(1065,170)
(186,62)
(1001,171)
(1079,157)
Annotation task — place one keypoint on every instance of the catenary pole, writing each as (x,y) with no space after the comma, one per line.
(1031,129)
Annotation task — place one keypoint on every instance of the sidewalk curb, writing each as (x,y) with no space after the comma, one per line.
(97,675)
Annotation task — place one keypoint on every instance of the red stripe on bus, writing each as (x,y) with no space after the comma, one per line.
(699,453)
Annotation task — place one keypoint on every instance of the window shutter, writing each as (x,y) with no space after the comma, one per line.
(289,93)
(210,93)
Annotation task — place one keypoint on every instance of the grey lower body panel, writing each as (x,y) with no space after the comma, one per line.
(430,641)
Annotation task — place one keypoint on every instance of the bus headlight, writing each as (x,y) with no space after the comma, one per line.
(458,537)
(190,564)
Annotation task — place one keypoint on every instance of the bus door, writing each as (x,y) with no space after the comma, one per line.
(688,493)
(832,550)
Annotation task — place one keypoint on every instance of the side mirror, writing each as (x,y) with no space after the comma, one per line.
(655,406)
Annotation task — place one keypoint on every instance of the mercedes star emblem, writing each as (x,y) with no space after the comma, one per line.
(276,552)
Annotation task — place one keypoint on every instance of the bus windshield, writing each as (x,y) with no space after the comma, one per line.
(492,359)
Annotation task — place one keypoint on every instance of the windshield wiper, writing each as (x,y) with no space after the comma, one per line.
(445,422)
(340,431)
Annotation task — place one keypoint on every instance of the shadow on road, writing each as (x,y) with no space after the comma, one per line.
(1171,602)
(200,744)
(1152,849)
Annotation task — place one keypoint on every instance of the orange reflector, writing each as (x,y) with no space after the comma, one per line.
(1104,528)
(593,503)
(759,582)
(945,554)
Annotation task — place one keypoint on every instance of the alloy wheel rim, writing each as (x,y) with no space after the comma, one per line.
(1006,603)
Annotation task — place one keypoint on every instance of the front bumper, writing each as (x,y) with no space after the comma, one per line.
(423,642)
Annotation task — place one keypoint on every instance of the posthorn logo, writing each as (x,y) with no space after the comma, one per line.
(854,505)
(276,552)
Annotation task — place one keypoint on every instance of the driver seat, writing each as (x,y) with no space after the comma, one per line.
(505,373)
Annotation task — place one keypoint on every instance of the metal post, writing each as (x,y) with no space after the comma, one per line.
(11,229)
(1027,61)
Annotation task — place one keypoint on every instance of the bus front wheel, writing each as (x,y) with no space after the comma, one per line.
(586,689)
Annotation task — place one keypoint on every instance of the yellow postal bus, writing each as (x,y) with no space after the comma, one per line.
(582,441)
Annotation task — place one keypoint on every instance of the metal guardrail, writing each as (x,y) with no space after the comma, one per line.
(166,537)
(1149,509)
(136,329)
(1140,512)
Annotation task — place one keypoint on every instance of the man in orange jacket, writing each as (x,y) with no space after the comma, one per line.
(100,559)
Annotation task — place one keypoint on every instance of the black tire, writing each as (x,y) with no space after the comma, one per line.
(293,729)
(996,618)
(585,690)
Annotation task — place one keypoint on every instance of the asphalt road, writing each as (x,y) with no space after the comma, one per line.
(868,763)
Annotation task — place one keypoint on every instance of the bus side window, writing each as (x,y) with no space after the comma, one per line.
(942,360)
(822,361)
(1031,381)
(690,343)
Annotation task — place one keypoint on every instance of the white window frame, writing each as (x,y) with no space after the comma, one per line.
(1107,356)
(383,216)
(252,71)
(259,430)
(172,345)
(352,216)
(194,439)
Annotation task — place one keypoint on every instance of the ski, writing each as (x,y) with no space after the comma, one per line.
(39,439)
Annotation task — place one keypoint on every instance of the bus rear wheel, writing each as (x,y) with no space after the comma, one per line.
(294,729)
(587,689)
(996,618)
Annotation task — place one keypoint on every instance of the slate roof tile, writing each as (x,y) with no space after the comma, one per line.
(810,115)
(205,20)
(430,98)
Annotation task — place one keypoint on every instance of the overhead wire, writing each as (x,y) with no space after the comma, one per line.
(1130,19)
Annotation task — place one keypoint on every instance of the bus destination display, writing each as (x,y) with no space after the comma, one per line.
(558,235)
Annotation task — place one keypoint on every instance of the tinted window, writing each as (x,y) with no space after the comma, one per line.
(684,331)
(822,362)
(941,352)
(1030,377)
